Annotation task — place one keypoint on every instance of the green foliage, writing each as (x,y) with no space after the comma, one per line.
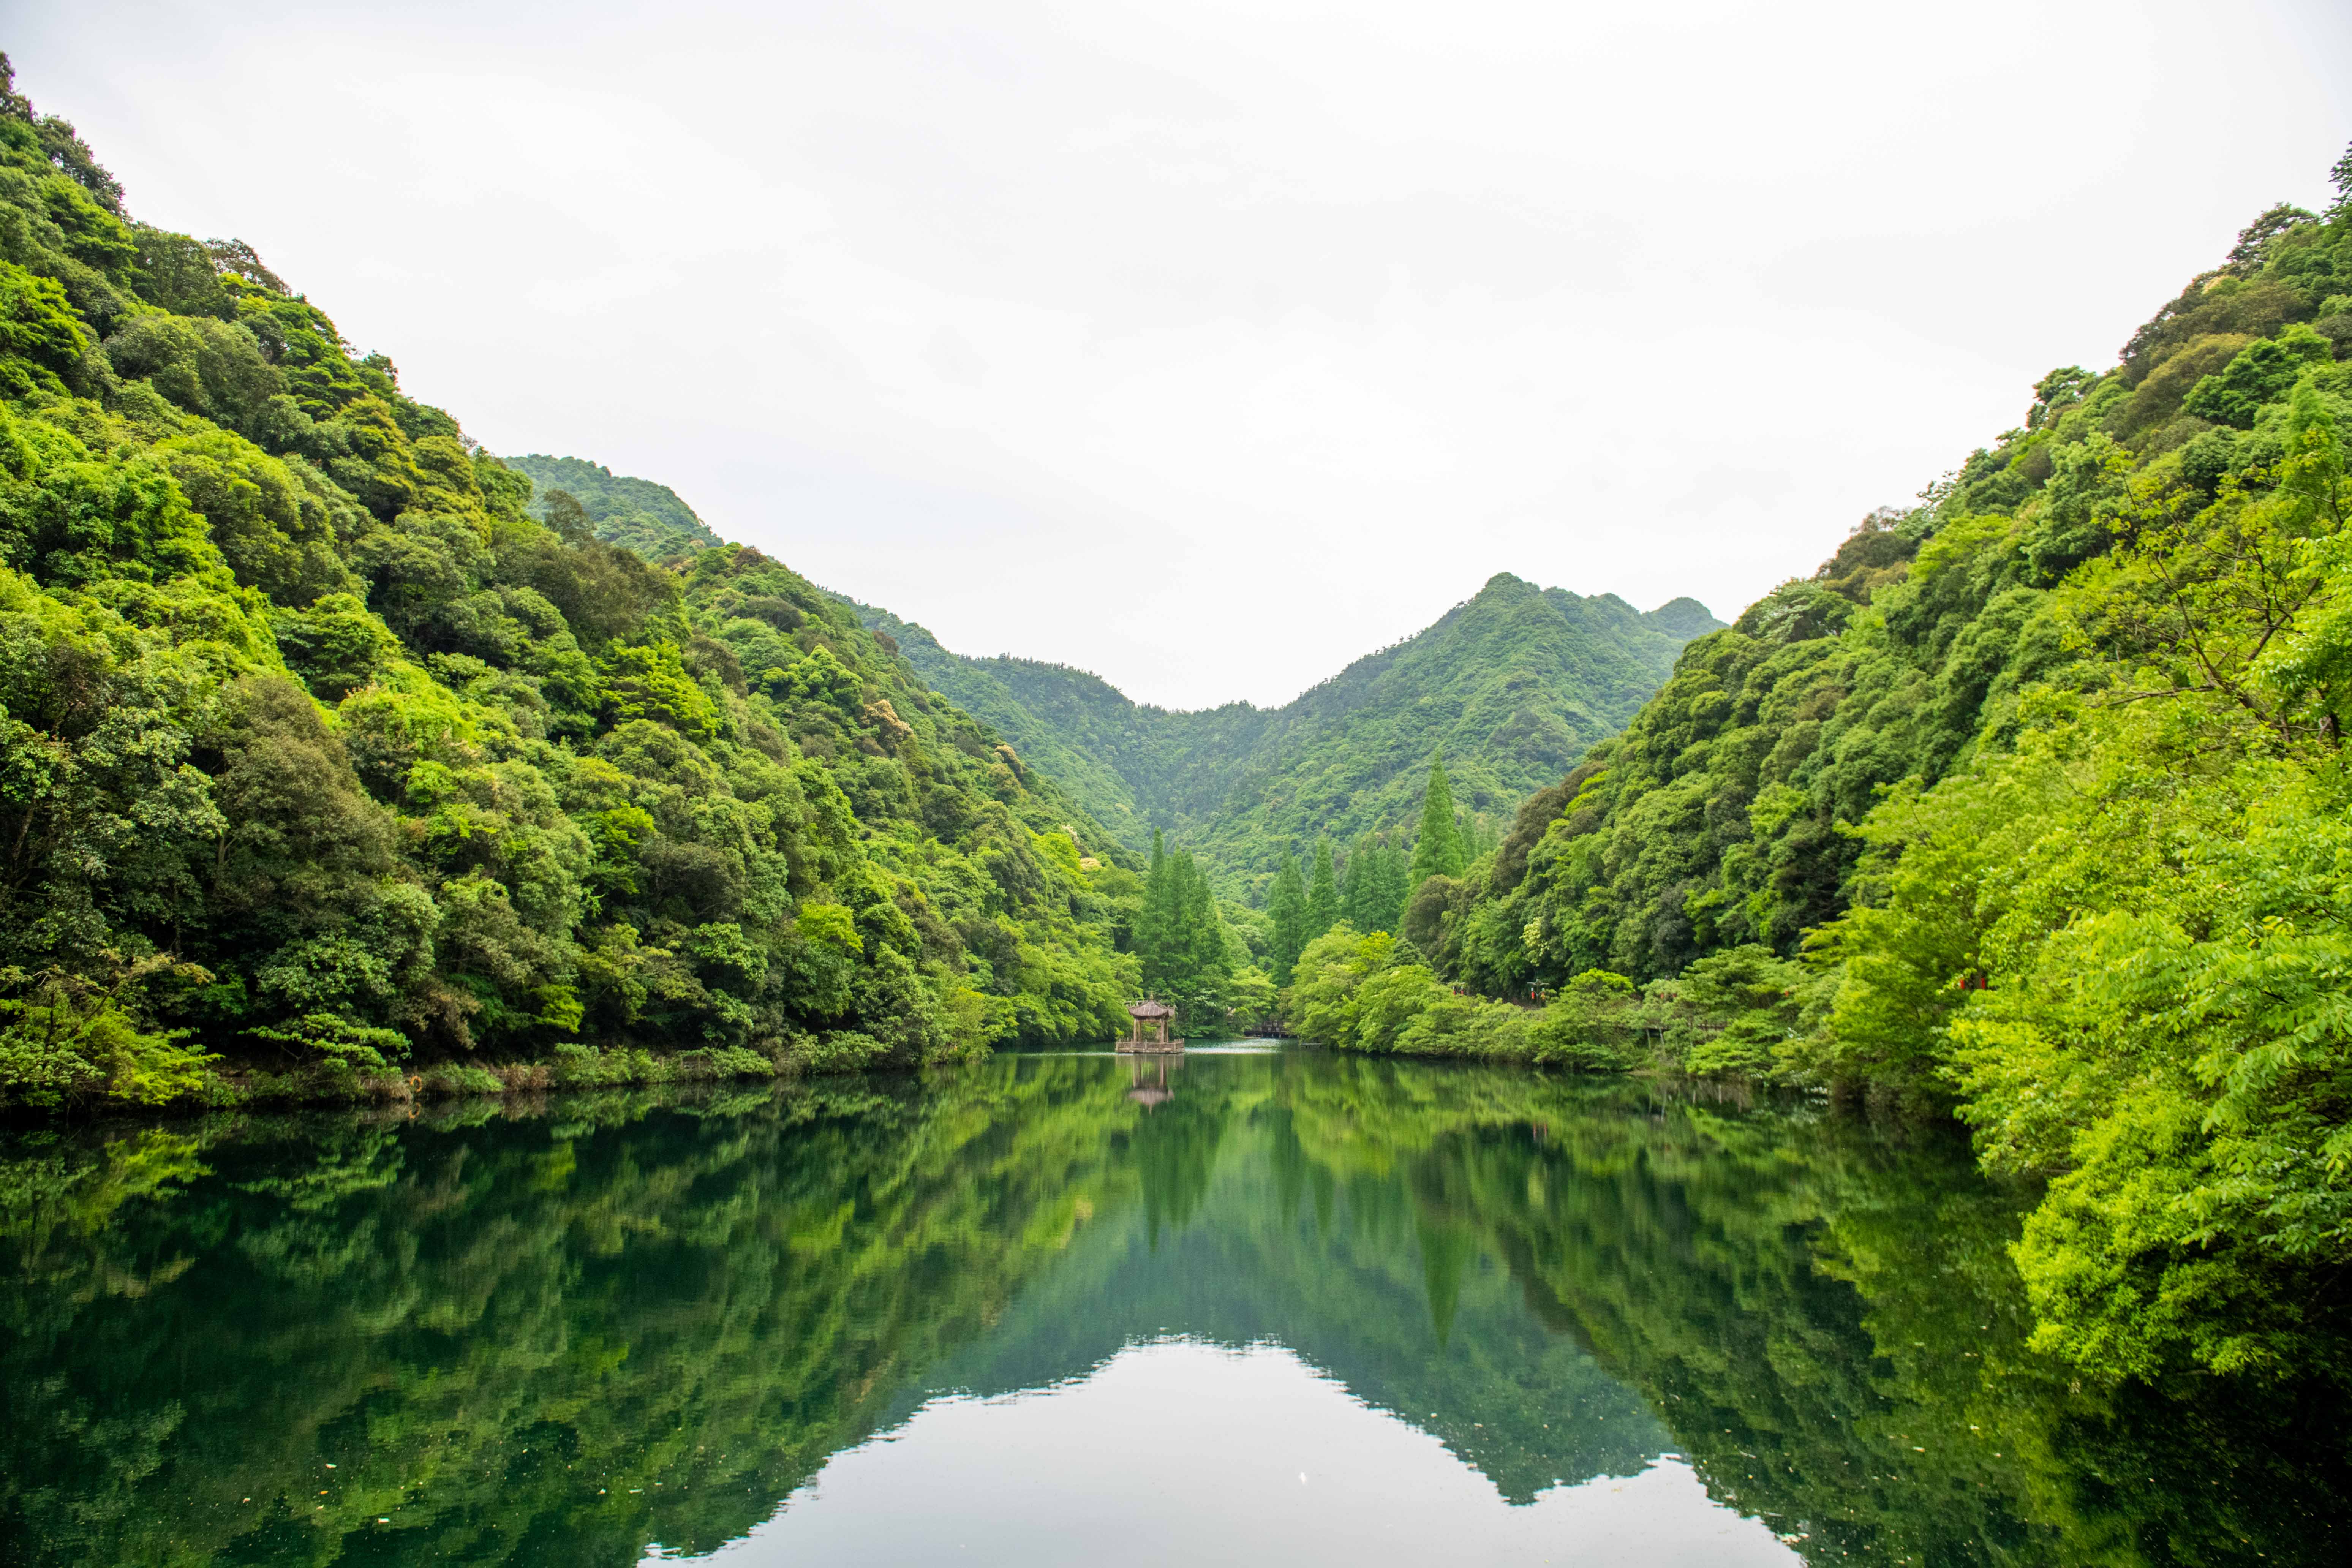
(1727,1016)
(40,338)
(1286,907)
(1372,896)
(2264,372)
(338,1037)
(66,1042)
(636,514)
(1437,846)
(1514,685)
(1189,956)
(1322,908)
(2027,804)
(295,690)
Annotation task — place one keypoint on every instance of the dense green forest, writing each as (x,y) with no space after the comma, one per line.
(635,514)
(326,766)
(1512,686)
(2030,803)
(339,757)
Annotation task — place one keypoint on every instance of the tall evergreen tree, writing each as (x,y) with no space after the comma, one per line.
(1157,922)
(1208,956)
(1355,883)
(1394,884)
(1322,893)
(1187,957)
(1438,852)
(1373,895)
(1286,907)
(1478,838)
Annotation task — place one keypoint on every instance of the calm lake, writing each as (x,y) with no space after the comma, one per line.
(1246,1306)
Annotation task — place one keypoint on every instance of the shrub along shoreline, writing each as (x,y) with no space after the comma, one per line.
(1728,1015)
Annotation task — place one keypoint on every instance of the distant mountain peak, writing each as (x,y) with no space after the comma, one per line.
(1513,684)
(643,515)
(1685,617)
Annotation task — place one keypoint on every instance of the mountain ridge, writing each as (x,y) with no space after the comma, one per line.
(638,514)
(331,772)
(1512,684)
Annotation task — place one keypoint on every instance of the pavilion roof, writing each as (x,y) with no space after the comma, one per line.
(1150,1010)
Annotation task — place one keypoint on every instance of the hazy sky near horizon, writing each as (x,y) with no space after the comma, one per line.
(1210,346)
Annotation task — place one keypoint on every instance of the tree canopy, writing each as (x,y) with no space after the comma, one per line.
(1513,685)
(325,764)
(2027,806)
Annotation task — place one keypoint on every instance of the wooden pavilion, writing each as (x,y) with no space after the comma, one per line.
(1152,1019)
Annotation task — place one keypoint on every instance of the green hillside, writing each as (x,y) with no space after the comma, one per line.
(2030,804)
(323,762)
(635,514)
(1512,685)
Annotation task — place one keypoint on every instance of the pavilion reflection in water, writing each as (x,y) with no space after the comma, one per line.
(1148,1085)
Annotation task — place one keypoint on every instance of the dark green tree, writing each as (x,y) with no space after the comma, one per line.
(1358,867)
(1438,851)
(1208,954)
(1373,895)
(1187,956)
(1285,906)
(1389,889)
(1158,921)
(1322,893)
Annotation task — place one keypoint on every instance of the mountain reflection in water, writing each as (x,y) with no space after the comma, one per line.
(1502,1315)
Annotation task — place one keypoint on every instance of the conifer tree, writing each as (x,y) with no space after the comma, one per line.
(1322,893)
(1355,884)
(1208,956)
(1187,958)
(1394,884)
(1438,852)
(1375,887)
(1158,924)
(1286,907)
(1476,839)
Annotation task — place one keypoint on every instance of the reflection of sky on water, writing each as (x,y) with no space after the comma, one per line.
(1182,1452)
(1474,1307)
(1232,1372)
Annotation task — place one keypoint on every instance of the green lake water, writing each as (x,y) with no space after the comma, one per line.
(1244,1306)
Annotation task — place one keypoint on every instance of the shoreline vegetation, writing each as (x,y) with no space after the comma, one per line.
(2030,809)
(336,754)
(333,751)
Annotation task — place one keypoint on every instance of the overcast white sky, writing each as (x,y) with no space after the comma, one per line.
(1212,345)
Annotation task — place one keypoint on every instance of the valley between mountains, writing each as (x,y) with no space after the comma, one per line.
(344,760)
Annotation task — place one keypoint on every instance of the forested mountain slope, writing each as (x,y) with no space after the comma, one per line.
(318,751)
(635,514)
(2031,803)
(1512,685)
(2077,556)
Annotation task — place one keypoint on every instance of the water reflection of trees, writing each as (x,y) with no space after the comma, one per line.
(560,1335)
(541,1339)
(1825,1318)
